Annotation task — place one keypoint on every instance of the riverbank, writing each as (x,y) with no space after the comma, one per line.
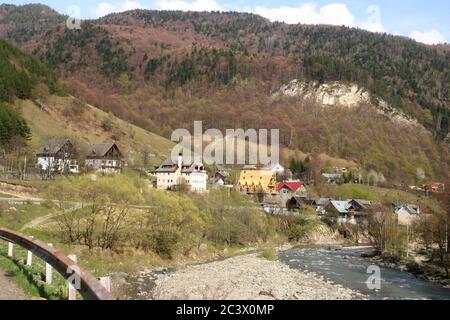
(247,277)
(347,267)
(418,266)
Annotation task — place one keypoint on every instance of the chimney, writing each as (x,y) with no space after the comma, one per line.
(180,160)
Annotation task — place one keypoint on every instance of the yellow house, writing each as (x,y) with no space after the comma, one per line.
(257,181)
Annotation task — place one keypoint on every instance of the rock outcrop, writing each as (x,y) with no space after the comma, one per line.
(340,94)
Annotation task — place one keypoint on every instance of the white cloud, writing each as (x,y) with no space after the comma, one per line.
(334,14)
(309,13)
(196,5)
(105,8)
(373,23)
(428,37)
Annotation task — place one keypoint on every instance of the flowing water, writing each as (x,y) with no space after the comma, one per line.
(347,268)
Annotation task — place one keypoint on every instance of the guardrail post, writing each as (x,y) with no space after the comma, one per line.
(30,255)
(48,271)
(10,249)
(106,282)
(72,290)
(29,258)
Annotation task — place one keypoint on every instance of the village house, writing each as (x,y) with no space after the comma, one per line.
(105,158)
(257,181)
(57,156)
(407,214)
(321,204)
(360,205)
(292,188)
(343,211)
(435,187)
(332,178)
(289,189)
(275,167)
(220,177)
(297,203)
(171,175)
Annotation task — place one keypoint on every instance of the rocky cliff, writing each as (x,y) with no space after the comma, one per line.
(340,94)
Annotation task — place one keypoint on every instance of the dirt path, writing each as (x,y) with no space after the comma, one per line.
(9,290)
(41,220)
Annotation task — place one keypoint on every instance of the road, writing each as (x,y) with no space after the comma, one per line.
(9,290)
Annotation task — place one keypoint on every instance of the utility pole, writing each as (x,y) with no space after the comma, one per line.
(446,237)
(407,240)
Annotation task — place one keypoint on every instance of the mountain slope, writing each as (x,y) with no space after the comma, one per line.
(163,70)
(22,23)
(174,48)
(26,85)
(20,73)
(84,124)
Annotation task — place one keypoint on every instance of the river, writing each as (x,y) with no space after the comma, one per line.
(347,268)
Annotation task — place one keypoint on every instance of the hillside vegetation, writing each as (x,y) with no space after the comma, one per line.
(219,47)
(162,70)
(33,109)
(84,124)
(20,73)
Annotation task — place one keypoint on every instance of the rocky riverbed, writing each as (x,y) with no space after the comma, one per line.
(248,277)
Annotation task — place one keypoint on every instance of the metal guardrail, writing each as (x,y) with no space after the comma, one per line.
(90,287)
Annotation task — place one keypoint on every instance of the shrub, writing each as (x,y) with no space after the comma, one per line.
(297,228)
(269,254)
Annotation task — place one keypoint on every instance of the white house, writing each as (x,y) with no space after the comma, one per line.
(407,214)
(275,167)
(192,174)
(57,156)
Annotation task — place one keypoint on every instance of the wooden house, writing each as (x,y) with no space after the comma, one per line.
(57,156)
(105,158)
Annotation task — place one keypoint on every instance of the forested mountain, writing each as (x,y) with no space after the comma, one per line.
(21,76)
(162,70)
(22,23)
(20,73)
(12,126)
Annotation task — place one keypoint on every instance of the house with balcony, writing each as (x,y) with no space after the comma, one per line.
(57,156)
(105,158)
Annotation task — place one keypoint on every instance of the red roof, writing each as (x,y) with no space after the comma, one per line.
(293,186)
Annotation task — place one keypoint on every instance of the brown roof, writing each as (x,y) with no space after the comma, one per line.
(100,149)
(170,166)
(52,146)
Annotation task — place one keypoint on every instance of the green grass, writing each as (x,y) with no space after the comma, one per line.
(13,270)
(31,279)
(28,279)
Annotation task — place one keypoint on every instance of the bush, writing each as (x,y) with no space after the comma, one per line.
(269,254)
(166,244)
(107,125)
(170,223)
(297,228)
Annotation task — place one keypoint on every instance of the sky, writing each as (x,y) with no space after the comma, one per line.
(426,21)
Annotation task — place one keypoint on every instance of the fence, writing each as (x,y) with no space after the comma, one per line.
(76,278)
